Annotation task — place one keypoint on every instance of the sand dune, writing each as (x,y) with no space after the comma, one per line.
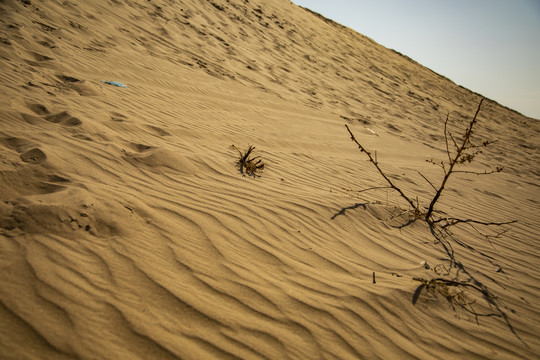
(127,232)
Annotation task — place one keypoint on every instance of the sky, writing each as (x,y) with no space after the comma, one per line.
(491,47)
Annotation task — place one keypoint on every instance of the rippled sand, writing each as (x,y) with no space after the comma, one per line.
(127,232)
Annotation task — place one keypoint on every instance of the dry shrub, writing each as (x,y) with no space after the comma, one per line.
(247,165)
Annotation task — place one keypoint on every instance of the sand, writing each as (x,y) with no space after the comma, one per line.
(127,232)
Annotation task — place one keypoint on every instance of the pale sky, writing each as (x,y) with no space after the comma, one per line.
(491,47)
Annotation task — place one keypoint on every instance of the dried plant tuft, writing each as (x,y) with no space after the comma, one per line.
(247,165)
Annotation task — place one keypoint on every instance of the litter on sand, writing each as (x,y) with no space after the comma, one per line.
(115,83)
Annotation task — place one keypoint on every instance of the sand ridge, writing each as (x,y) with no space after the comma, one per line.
(127,232)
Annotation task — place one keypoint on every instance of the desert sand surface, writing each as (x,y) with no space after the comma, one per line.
(128,232)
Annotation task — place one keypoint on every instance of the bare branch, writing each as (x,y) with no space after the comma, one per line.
(453,162)
(464,151)
(488,237)
(446,137)
(372,188)
(497,170)
(453,140)
(429,182)
(453,283)
(454,221)
(374,162)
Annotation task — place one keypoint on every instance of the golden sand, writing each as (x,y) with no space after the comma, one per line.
(127,231)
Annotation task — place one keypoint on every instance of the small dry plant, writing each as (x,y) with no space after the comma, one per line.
(459,151)
(452,291)
(248,164)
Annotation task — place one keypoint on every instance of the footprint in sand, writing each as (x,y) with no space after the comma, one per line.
(29,153)
(40,57)
(40,60)
(159,131)
(140,147)
(47,43)
(38,109)
(31,119)
(34,156)
(155,158)
(69,79)
(17,144)
(80,86)
(63,118)
(27,182)
(118,117)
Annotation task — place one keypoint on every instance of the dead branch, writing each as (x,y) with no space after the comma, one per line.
(446,137)
(497,170)
(429,182)
(372,188)
(453,160)
(376,164)
(436,281)
(459,151)
(454,221)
